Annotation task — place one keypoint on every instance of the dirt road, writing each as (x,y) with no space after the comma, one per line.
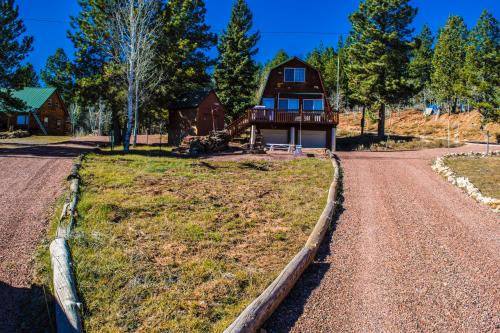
(409,253)
(31,179)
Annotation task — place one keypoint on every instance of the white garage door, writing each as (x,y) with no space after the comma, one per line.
(274,136)
(314,139)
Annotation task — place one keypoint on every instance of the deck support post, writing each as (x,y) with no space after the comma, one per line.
(334,138)
(252,137)
(292,139)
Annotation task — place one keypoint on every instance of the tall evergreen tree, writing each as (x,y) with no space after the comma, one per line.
(324,59)
(482,66)
(421,63)
(448,62)
(58,73)
(25,76)
(14,47)
(236,71)
(280,57)
(380,46)
(181,50)
(96,45)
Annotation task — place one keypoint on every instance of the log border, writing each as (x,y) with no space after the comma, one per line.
(255,314)
(67,305)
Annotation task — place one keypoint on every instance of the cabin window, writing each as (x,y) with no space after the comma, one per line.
(22,120)
(46,120)
(295,74)
(268,103)
(313,105)
(59,123)
(289,104)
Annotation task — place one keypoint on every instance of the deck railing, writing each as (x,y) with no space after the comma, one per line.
(262,115)
(292,116)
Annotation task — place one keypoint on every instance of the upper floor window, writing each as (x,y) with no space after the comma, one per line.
(313,104)
(295,75)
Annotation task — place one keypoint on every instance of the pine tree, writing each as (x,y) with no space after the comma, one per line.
(58,73)
(421,63)
(182,49)
(448,62)
(14,47)
(280,57)
(482,66)
(25,76)
(380,46)
(236,72)
(324,59)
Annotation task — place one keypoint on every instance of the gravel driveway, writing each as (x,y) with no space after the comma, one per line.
(409,253)
(31,179)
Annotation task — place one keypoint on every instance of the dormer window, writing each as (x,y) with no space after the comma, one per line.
(295,75)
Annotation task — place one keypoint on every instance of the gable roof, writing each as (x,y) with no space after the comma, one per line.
(33,97)
(190,100)
(283,63)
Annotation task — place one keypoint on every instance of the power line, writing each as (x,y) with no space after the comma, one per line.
(264,32)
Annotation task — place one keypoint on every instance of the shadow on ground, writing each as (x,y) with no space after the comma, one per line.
(26,309)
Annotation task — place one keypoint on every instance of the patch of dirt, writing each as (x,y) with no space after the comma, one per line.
(31,179)
(464,126)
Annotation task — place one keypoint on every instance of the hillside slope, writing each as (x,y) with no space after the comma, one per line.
(464,126)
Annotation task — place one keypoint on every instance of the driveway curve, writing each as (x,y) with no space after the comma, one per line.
(409,253)
(31,180)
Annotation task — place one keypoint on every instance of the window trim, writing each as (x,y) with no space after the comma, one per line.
(314,99)
(294,69)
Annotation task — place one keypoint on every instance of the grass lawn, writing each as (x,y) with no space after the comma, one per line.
(484,173)
(183,245)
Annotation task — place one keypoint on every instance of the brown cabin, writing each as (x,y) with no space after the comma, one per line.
(45,112)
(195,113)
(294,108)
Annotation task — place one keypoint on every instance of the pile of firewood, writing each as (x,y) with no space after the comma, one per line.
(214,142)
(14,134)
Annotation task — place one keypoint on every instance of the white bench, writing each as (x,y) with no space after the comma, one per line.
(290,148)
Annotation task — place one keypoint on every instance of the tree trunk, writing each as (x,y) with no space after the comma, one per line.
(117,130)
(381,121)
(130,109)
(136,116)
(454,108)
(363,120)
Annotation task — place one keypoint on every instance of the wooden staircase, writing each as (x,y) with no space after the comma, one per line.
(239,125)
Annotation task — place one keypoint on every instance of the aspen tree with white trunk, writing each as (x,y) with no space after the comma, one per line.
(137,31)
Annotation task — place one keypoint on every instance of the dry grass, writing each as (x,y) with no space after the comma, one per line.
(36,139)
(483,172)
(464,126)
(371,142)
(183,245)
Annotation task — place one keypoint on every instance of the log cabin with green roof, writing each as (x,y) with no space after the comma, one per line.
(44,112)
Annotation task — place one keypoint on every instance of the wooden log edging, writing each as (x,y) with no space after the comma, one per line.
(257,312)
(67,305)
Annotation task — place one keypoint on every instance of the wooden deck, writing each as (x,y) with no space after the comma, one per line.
(277,116)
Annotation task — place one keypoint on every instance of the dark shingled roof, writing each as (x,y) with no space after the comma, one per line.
(190,100)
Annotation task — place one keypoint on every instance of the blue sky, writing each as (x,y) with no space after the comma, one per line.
(294,25)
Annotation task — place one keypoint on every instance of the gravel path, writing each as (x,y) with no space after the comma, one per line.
(409,253)
(31,179)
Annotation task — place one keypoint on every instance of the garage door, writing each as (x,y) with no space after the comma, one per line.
(274,136)
(314,139)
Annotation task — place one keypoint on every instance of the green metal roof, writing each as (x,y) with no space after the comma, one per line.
(33,97)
